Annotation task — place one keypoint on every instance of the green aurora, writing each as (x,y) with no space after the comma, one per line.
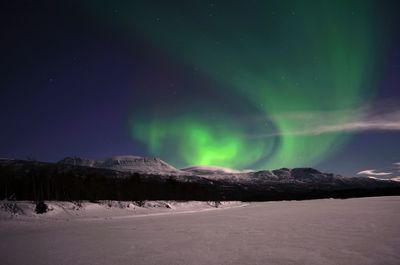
(273,59)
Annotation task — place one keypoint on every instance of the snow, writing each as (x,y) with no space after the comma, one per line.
(128,163)
(353,231)
(61,211)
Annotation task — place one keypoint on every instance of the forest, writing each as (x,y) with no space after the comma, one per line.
(38,181)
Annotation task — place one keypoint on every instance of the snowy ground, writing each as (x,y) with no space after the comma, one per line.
(354,231)
(24,211)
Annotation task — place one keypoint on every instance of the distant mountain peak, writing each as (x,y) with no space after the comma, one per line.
(128,163)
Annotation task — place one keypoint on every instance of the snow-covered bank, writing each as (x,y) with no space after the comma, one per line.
(363,231)
(57,210)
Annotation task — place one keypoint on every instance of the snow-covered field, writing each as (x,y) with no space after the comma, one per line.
(353,231)
(24,211)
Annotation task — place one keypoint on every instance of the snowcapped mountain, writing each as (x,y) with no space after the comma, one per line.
(153,165)
(248,177)
(127,163)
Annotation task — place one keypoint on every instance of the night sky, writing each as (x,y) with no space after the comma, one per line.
(240,84)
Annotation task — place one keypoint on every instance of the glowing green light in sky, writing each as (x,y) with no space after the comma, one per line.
(201,143)
(282,57)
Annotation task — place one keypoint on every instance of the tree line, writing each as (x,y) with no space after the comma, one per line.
(38,181)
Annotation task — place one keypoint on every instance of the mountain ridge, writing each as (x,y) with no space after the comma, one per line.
(82,179)
(128,163)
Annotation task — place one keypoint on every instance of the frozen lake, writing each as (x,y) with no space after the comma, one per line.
(354,231)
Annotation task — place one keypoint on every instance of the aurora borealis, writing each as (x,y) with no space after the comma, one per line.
(239,84)
(288,56)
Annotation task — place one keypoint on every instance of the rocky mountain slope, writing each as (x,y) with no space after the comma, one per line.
(126,163)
